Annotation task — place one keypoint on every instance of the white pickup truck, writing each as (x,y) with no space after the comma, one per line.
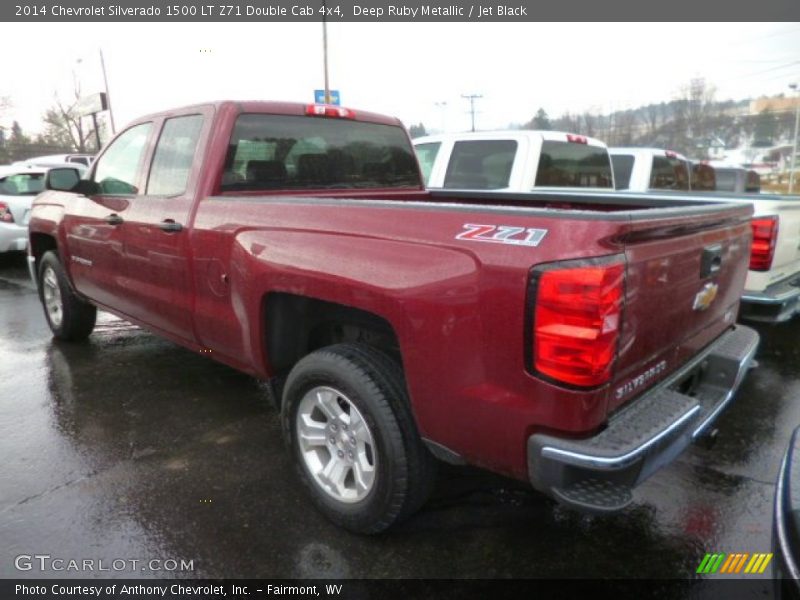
(644,169)
(735,178)
(772,290)
(514,161)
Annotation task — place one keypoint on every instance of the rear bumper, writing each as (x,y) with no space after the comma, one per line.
(778,303)
(13,237)
(786,527)
(598,474)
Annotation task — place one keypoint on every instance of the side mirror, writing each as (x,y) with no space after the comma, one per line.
(62,179)
(68,179)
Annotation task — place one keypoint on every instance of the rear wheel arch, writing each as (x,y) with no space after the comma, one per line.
(296,325)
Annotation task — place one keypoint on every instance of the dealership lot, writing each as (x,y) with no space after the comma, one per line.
(129,448)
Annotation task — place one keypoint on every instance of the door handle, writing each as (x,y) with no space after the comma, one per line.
(114,219)
(170,226)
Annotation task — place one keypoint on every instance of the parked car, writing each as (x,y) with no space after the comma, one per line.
(57,160)
(510,331)
(18,186)
(515,160)
(772,290)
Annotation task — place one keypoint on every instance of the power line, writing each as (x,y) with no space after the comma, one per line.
(772,34)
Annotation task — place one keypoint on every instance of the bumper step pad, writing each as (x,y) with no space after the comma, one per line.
(595,495)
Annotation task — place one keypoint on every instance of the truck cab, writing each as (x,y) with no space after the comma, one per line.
(644,169)
(517,161)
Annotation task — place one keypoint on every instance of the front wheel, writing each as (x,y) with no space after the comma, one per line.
(348,422)
(69,317)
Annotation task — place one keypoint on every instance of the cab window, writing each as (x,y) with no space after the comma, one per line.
(290,152)
(568,164)
(669,173)
(480,164)
(174,155)
(22,184)
(116,170)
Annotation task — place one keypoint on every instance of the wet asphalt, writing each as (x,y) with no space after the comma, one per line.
(130,447)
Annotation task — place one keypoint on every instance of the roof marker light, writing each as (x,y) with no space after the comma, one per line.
(577,139)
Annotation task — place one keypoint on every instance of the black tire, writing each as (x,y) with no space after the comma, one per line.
(77,317)
(373,382)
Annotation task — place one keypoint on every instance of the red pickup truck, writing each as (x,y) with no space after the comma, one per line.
(574,342)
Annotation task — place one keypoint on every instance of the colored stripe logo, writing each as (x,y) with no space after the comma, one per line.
(736,562)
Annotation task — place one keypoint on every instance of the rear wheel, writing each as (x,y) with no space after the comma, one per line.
(347,419)
(69,317)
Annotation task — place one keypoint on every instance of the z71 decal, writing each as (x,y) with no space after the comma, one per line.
(503,234)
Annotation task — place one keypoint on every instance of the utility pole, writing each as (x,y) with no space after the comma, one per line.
(472,98)
(794,144)
(108,96)
(325,52)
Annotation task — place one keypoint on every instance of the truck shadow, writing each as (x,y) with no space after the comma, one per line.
(192,452)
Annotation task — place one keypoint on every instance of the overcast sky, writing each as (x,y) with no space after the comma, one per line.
(401,69)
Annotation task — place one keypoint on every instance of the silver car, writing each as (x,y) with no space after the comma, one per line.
(19,185)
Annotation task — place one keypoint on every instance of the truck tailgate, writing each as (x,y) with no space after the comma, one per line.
(684,278)
(787,249)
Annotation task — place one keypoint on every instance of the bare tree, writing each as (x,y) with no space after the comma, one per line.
(696,115)
(64,127)
(652,113)
(589,126)
(567,122)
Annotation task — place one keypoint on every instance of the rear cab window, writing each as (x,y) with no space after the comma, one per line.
(752,183)
(268,152)
(570,164)
(703,178)
(669,173)
(480,164)
(426,154)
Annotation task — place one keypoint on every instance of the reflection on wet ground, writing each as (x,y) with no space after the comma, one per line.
(129,447)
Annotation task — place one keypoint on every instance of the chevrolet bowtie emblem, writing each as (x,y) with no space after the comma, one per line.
(706,296)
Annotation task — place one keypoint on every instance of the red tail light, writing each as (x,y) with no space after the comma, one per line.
(5,213)
(576,323)
(577,139)
(765,234)
(327,110)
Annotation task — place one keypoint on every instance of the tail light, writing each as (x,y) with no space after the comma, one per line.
(765,234)
(327,110)
(5,213)
(576,322)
